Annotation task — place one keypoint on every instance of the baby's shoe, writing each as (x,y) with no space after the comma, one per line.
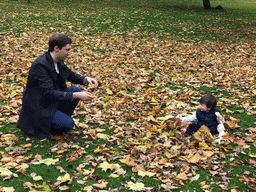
(218,141)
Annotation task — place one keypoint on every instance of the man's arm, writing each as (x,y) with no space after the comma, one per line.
(91,81)
(82,80)
(75,78)
(45,82)
(83,96)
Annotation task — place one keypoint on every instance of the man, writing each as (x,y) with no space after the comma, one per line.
(47,103)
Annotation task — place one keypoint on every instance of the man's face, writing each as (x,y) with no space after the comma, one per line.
(64,52)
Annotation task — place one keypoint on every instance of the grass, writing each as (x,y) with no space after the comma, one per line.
(106,22)
(166,18)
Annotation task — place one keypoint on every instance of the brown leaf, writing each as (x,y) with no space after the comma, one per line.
(92,133)
(203,134)
(135,150)
(232,124)
(138,168)
(38,157)
(28,185)
(101,184)
(181,176)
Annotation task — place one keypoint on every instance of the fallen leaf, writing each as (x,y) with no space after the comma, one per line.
(135,186)
(181,176)
(49,161)
(101,184)
(65,178)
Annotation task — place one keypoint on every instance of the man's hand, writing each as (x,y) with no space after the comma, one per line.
(92,81)
(85,96)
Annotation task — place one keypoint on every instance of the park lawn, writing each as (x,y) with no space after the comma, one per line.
(155,59)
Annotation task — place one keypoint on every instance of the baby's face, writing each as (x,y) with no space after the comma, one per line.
(203,107)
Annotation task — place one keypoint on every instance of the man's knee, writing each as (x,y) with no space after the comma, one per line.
(76,89)
(70,123)
(73,89)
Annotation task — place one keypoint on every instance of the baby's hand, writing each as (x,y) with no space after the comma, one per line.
(177,119)
(220,117)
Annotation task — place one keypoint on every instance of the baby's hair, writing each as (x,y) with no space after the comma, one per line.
(209,100)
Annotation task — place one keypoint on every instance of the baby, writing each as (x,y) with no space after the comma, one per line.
(206,115)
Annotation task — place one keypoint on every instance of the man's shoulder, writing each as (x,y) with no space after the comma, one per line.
(43,60)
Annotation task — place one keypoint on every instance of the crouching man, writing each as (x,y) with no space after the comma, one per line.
(47,103)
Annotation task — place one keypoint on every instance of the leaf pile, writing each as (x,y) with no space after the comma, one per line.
(146,82)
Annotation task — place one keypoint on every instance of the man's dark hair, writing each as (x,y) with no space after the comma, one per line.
(59,40)
(209,100)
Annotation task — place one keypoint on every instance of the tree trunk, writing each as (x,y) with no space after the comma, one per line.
(207,4)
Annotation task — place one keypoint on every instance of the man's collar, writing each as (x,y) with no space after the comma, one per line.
(51,62)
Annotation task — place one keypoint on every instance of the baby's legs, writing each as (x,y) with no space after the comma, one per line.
(221,130)
(191,129)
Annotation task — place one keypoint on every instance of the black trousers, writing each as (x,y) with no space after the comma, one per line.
(195,127)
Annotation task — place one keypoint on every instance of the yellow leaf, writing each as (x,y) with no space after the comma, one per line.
(194,158)
(208,153)
(114,175)
(49,161)
(65,178)
(101,184)
(88,189)
(8,189)
(92,133)
(252,154)
(232,124)
(203,133)
(165,118)
(37,178)
(23,80)
(86,172)
(109,91)
(102,136)
(174,78)
(154,100)
(26,145)
(145,173)
(203,185)
(7,159)
(5,172)
(181,176)
(195,178)
(105,166)
(28,184)
(205,146)
(175,147)
(135,186)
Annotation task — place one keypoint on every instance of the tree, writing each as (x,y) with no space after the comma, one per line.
(207,5)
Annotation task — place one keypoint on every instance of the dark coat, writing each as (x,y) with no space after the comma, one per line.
(43,93)
(209,119)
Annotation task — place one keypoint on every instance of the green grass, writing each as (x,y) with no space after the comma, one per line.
(166,18)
